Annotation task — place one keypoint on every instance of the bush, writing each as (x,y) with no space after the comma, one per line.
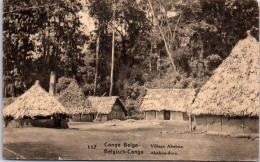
(213,61)
(63,83)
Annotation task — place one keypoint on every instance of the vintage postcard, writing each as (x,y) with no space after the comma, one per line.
(130,80)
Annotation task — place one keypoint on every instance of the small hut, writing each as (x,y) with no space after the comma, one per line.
(36,108)
(107,108)
(229,101)
(167,104)
(74,100)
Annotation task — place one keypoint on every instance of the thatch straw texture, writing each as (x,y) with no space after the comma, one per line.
(103,105)
(168,99)
(74,99)
(233,90)
(35,102)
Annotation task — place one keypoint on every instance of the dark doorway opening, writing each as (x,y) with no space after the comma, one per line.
(166,115)
(57,120)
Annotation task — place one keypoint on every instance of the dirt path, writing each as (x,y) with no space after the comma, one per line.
(79,141)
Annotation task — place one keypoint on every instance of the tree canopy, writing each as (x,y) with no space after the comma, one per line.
(158,43)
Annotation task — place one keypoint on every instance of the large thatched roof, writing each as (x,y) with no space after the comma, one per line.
(233,90)
(168,99)
(74,99)
(34,102)
(104,105)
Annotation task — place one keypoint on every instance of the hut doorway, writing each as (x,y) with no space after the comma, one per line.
(57,120)
(167,115)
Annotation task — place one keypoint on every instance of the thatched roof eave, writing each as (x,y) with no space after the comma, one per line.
(168,99)
(104,105)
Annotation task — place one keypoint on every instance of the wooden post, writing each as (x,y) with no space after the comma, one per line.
(61,120)
(243,123)
(221,123)
(145,115)
(206,123)
(194,120)
(156,115)
(190,122)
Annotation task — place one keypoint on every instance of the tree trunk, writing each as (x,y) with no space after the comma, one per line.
(151,56)
(48,47)
(4,86)
(113,50)
(201,64)
(97,56)
(158,63)
(52,87)
(124,55)
(164,40)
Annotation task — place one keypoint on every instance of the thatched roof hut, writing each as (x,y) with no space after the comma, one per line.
(74,99)
(104,105)
(34,102)
(233,90)
(168,99)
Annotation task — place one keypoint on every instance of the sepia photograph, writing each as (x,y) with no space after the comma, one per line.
(128,80)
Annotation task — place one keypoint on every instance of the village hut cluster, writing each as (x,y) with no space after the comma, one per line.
(38,108)
(228,102)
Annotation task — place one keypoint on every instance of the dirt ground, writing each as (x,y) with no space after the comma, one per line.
(125,140)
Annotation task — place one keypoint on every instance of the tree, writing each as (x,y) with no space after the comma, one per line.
(37,41)
(131,28)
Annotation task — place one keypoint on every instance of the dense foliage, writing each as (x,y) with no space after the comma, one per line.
(165,44)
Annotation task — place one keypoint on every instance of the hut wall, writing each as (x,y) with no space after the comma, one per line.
(160,115)
(75,118)
(231,125)
(150,115)
(47,123)
(176,115)
(90,117)
(116,113)
(64,123)
(251,125)
(103,117)
(83,118)
(201,122)
(185,116)
(214,123)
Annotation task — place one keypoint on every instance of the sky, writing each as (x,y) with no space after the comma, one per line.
(87,21)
